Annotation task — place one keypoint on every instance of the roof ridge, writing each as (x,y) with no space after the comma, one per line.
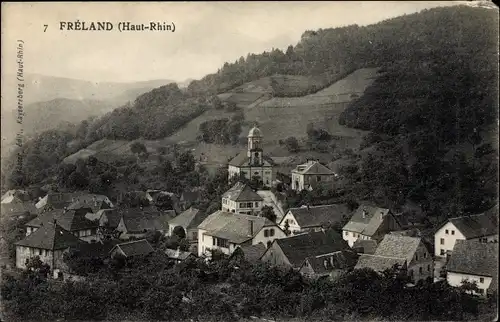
(132,241)
(383,256)
(468,216)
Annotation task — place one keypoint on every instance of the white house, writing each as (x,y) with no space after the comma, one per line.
(241,199)
(252,163)
(474,261)
(226,231)
(482,227)
(369,223)
(312,218)
(311,174)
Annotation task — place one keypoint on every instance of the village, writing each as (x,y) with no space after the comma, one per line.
(318,241)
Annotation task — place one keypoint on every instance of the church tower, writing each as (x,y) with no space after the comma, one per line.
(255,146)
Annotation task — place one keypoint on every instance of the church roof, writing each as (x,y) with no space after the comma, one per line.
(254,132)
(242,160)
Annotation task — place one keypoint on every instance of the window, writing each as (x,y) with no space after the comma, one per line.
(213,240)
(453,232)
(242,205)
(442,241)
(480,291)
(425,255)
(428,268)
(347,233)
(318,178)
(266,233)
(420,270)
(416,256)
(271,232)
(222,242)
(195,235)
(446,232)
(442,251)
(256,204)
(481,280)
(484,240)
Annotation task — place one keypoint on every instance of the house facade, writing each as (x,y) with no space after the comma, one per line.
(369,223)
(312,218)
(311,174)
(329,265)
(474,261)
(253,163)
(225,231)
(482,227)
(241,199)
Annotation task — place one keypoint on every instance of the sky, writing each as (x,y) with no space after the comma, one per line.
(207,34)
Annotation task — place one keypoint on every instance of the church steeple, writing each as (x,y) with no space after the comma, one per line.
(255,146)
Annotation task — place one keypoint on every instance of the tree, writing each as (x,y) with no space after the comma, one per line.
(179,232)
(186,162)
(138,148)
(268,212)
(292,144)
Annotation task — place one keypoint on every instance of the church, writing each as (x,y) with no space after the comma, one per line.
(253,163)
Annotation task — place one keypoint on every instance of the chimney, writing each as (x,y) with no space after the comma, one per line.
(364,213)
(250,228)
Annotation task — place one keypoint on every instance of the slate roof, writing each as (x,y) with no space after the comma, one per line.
(233,227)
(398,246)
(365,246)
(138,220)
(189,219)
(314,216)
(113,217)
(242,160)
(70,220)
(378,263)
(253,253)
(51,237)
(475,258)
(338,260)
(177,254)
(241,192)
(134,248)
(298,248)
(17,208)
(369,223)
(484,224)
(312,168)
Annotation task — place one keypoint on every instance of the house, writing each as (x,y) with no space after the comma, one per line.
(252,163)
(483,227)
(177,255)
(15,196)
(409,252)
(17,208)
(137,222)
(330,265)
(57,200)
(225,231)
(73,221)
(313,218)
(474,261)
(369,222)
(241,199)
(365,246)
(92,201)
(189,221)
(291,252)
(188,198)
(251,253)
(132,249)
(311,174)
(49,243)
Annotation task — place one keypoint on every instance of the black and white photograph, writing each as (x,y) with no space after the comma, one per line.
(249,161)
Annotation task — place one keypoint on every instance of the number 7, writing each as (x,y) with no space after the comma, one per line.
(44,30)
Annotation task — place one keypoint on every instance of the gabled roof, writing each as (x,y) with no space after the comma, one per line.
(189,219)
(314,216)
(378,263)
(312,168)
(113,217)
(139,220)
(484,224)
(365,246)
(177,254)
(59,200)
(18,208)
(134,248)
(253,253)
(51,237)
(70,220)
(234,227)
(475,258)
(95,202)
(242,160)
(241,192)
(338,260)
(398,246)
(366,220)
(298,248)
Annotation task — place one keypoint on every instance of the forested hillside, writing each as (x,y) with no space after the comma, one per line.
(432,109)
